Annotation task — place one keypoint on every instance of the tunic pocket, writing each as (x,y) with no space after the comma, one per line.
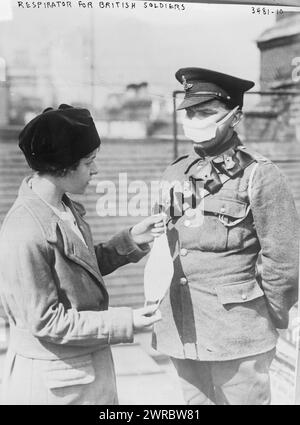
(240,292)
(219,230)
(229,211)
(226,220)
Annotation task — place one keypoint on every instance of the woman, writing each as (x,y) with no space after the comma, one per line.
(52,287)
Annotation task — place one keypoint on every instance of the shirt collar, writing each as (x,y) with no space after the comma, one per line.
(25,192)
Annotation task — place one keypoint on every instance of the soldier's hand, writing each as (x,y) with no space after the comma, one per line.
(145,316)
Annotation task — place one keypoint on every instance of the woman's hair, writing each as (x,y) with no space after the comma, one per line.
(56,171)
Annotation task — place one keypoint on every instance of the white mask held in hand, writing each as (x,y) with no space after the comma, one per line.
(158,271)
(206,129)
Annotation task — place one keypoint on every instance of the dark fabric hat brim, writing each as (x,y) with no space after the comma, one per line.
(193,101)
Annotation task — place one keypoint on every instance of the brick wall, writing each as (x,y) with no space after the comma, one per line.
(278,46)
(276,61)
(142,160)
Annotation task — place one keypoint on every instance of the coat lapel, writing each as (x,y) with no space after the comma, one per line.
(73,247)
(76,251)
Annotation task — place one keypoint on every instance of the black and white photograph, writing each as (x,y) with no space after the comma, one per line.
(149,204)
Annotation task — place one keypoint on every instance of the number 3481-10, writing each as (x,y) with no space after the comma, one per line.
(265,11)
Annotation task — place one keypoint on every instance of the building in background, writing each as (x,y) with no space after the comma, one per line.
(276,119)
(40,74)
(28,85)
(134,114)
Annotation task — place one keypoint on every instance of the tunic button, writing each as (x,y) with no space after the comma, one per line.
(183,251)
(244,296)
(222,210)
(183,281)
(187,223)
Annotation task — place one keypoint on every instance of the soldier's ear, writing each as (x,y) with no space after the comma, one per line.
(237,118)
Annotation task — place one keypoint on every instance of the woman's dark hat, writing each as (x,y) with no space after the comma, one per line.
(201,85)
(58,138)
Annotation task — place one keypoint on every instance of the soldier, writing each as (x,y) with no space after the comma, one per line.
(220,316)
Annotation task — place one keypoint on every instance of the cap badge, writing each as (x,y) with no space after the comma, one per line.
(186,85)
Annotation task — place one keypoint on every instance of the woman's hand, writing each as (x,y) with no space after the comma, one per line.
(149,228)
(146,316)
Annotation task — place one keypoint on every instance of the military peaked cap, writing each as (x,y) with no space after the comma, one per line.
(202,85)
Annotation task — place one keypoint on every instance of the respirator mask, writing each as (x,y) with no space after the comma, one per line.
(203,130)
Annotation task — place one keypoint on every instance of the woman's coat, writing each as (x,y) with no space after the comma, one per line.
(54,296)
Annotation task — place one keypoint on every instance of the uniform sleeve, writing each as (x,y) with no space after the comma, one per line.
(118,251)
(277,225)
(30,292)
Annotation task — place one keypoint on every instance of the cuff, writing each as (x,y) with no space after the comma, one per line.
(125,245)
(280,321)
(121,325)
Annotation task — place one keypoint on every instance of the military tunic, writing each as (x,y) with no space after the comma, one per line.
(221,305)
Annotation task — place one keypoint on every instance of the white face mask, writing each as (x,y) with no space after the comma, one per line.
(206,129)
(158,271)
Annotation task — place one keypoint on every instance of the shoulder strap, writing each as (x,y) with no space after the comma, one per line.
(251,181)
